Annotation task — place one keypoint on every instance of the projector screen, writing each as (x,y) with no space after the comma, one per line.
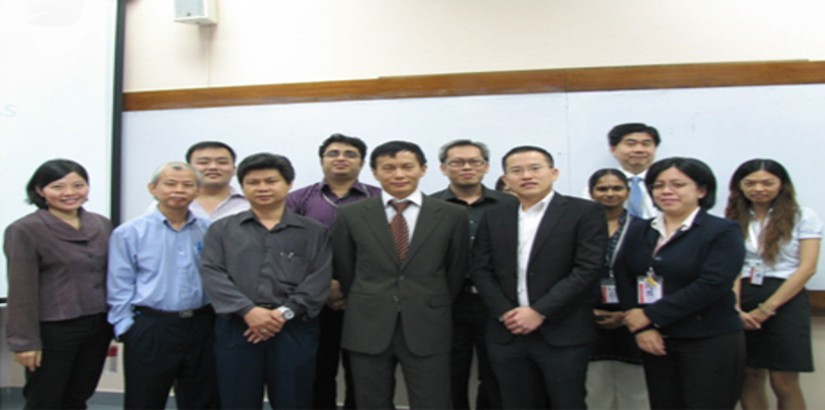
(57,65)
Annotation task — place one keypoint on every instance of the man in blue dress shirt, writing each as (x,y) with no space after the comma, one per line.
(158,306)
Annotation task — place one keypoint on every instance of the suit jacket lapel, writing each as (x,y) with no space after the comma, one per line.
(375,217)
(428,218)
(552,215)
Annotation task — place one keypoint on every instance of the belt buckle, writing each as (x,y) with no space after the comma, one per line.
(186,314)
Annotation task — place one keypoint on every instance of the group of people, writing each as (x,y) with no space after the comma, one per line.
(639,298)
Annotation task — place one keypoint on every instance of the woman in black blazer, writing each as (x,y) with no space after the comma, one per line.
(675,276)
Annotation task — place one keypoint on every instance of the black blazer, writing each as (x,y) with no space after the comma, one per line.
(566,259)
(699,266)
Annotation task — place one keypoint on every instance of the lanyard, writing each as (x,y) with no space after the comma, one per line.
(622,233)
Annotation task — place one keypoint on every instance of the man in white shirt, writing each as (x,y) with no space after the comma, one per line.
(535,265)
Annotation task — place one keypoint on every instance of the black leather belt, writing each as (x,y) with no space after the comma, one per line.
(184,314)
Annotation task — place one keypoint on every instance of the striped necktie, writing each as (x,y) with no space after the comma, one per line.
(400,231)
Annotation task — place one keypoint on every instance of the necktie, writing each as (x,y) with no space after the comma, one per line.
(399,230)
(636,207)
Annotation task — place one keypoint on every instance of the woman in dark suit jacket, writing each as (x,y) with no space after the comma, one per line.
(675,275)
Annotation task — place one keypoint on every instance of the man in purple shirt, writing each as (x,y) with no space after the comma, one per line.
(342,158)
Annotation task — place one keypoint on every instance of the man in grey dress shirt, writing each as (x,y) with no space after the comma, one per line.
(267,272)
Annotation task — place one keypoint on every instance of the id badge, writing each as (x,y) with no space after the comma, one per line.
(608,291)
(757,275)
(650,288)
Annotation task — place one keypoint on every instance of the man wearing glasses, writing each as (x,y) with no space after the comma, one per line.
(465,163)
(342,158)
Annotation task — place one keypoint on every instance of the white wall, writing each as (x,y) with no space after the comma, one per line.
(272,42)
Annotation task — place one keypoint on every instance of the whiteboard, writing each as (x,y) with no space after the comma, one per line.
(56,96)
(721,126)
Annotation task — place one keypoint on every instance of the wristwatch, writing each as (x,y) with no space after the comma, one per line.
(286,312)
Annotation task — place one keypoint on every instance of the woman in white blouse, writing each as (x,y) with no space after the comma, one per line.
(782,242)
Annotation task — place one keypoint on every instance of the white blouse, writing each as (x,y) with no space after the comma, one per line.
(808,226)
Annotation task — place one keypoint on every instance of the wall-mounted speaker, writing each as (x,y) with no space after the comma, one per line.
(204,12)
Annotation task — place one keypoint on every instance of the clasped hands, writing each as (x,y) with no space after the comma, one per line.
(521,320)
(263,324)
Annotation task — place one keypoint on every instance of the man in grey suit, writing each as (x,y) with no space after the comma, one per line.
(400,259)
(535,265)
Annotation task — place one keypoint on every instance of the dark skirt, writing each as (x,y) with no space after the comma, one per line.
(784,341)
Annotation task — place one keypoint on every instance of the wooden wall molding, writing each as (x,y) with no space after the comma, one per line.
(496,83)
(489,83)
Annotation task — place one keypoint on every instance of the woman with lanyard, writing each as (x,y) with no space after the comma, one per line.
(57,259)
(676,284)
(782,243)
(615,379)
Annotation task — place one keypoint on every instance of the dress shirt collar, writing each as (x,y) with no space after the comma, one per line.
(538,207)
(157,215)
(416,198)
(658,223)
(629,174)
(487,195)
(358,187)
(289,218)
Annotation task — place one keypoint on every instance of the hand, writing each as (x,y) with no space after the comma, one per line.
(522,320)
(651,341)
(759,316)
(263,324)
(30,359)
(636,319)
(336,300)
(606,319)
(749,322)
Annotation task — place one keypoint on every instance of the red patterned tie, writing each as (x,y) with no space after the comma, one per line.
(399,230)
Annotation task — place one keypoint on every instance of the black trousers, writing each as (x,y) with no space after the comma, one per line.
(533,374)
(326,371)
(73,355)
(469,324)
(697,373)
(164,350)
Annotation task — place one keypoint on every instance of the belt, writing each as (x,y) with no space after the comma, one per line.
(183,314)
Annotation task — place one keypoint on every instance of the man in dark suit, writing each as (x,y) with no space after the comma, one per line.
(400,259)
(534,265)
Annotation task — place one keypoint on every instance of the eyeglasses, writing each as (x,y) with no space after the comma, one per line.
(347,154)
(674,185)
(460,162)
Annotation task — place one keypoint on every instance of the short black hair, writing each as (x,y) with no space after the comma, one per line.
(695,169)
(614,137)
(391,148)
(442,153)
(49,172)
(209,144)
(526,148)
(594,179)
(343,139)
(265,160)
